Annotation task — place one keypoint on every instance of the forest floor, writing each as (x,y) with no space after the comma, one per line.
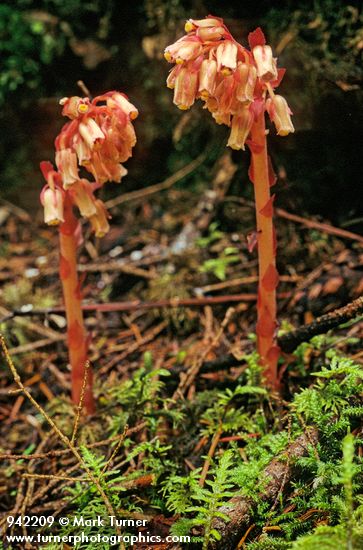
(183,423)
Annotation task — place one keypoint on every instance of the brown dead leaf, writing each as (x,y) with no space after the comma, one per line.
(332,285)
(315,291)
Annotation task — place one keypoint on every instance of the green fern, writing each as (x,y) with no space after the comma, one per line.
(339,383)
(349,531)
(227,414)
(139,397)
(178,491)
(324,538)
(209,501)
(267,543)
(324,485)
(247,475)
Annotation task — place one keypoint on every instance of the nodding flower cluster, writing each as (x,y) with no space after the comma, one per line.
(232,81)
(99,137)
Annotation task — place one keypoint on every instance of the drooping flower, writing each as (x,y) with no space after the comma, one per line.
(83,198)
(101,129)
(99,138)
(185,88)
(123,103)
(74,106)
(237,86)
(209,22)
(212,66)
(266,64)
(207,78)
(245,76)
(183,49)
(241,126)
(91,132)
(226,55)
(99,221)
(52,195)
(52,200)
(66,161)
(280,112)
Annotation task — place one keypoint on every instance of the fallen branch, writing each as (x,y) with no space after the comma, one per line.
(277,474)
(136,305)
(289,341)
(19,212)
(324,227)
(320,226)
(59,452)
(40,329)
(109,267)
(32,346)
(246,281)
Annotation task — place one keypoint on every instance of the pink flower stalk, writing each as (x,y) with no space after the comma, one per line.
(237,86)
(99,137)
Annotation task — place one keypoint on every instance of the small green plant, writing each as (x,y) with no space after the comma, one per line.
(334,398)
(348,533)
(88,503)
(179,490)
(26,46)
(324,486)
(218,266)
(140,397)
(209,501)
(229,412)
(214,234)
(259,452)
(319,505)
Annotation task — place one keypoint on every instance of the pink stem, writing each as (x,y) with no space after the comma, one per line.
(77,341)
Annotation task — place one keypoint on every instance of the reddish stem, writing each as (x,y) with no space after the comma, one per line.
(77,340)
(268,276)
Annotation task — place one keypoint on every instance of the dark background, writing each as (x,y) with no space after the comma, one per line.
(46,46)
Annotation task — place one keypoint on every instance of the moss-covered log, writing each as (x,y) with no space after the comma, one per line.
(277,474)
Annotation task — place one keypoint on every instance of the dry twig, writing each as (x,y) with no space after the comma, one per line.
(80,404)
(60,452)
(289,341)
(63,438)
(210,455)
(186,379)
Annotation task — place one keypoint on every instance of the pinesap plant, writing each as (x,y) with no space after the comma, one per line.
(98,138)
(237,86)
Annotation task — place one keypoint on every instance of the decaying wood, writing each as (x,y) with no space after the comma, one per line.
(288,342)
(277,474)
